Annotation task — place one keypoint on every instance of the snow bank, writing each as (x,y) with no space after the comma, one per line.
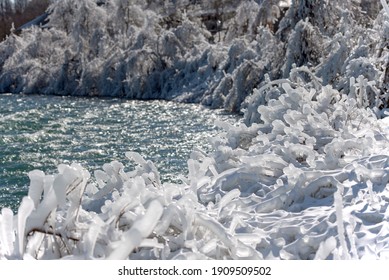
(310,181)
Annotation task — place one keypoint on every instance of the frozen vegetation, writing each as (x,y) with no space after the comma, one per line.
(303,176)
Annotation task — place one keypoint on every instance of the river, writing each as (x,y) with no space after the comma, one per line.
(41,132)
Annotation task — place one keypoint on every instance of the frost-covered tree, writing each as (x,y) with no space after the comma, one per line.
(214,52)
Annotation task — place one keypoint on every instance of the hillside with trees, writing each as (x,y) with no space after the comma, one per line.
(211,52)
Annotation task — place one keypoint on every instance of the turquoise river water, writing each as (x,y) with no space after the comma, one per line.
(40,132)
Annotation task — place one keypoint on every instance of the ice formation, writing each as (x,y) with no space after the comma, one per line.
(305,176)
(308,182)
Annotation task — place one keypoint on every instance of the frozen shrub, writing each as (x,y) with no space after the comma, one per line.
(361,66)
(244,21)
(304,47)
(245,78)
(330,70)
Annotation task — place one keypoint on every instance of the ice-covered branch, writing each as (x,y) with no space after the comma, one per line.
(385,6)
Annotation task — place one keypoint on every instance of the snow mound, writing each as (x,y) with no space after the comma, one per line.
(308,180)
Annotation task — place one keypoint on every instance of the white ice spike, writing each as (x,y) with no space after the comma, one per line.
(25,209)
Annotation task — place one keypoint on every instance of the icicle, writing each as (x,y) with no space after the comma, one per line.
(91,237)
(338,200)
(24,212)
(36,185)
(227,199)
(42,212)
(7,232)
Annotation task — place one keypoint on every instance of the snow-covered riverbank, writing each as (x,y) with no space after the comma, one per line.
(310,182)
